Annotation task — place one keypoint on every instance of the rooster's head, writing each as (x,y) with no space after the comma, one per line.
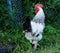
(37,6)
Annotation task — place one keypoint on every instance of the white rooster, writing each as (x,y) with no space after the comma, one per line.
(33,29)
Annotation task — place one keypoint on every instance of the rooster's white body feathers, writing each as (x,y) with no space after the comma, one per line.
(37,26)
(37,23)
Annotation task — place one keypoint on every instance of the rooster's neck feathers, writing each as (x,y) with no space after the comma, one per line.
(39,17)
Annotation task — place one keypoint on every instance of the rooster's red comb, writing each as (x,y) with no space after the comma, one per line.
(38,5)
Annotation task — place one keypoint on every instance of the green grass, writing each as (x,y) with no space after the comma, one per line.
(51,49)
(49,44)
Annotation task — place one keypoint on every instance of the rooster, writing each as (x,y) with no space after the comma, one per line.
(34,28)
